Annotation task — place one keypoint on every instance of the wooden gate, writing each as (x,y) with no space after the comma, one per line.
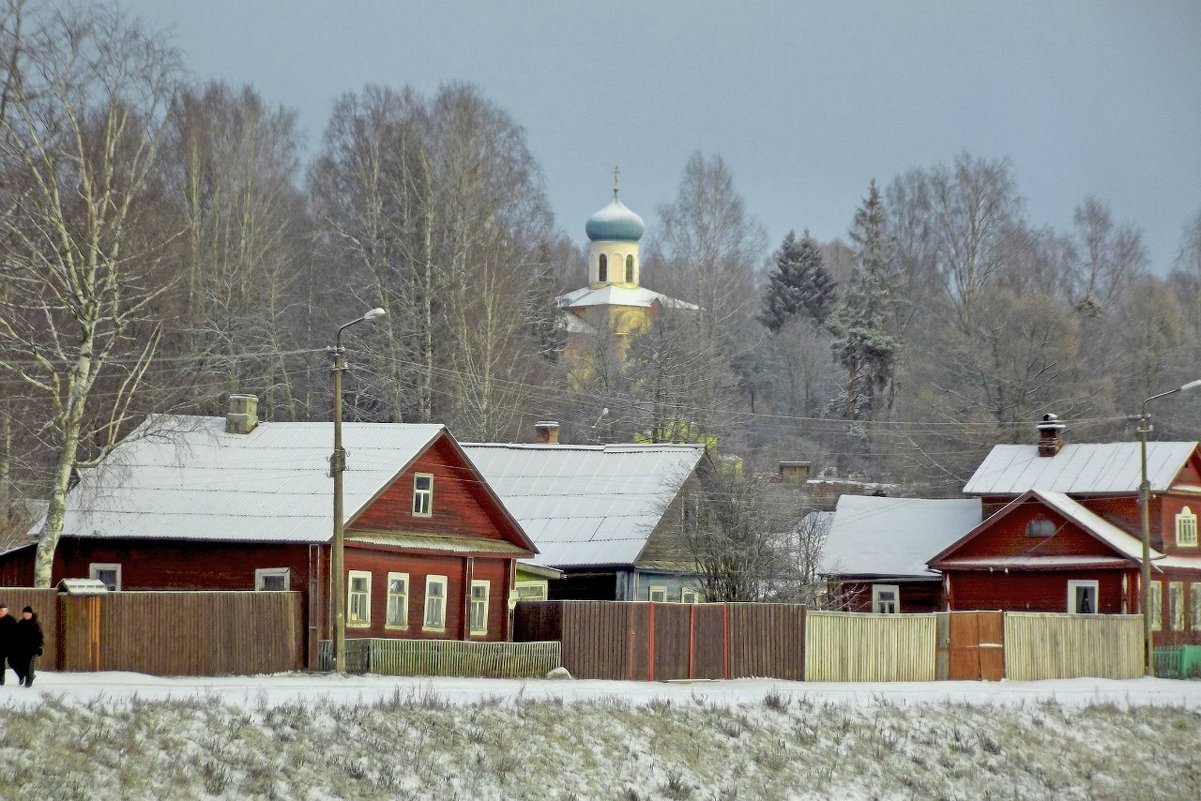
(977,649)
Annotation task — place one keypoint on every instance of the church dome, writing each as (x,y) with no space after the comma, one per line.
(615,222)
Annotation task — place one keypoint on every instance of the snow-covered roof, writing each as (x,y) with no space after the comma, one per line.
(183,477)
(1122,542)
(586,504)
(878,536)
(1078,469)
(613,295)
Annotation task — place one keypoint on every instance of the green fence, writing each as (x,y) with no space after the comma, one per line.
(1178,662)
(393,657)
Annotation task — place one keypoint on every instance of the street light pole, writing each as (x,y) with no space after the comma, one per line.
(1144,502)
(337,465)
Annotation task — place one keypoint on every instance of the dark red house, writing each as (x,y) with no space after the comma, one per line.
(196,503)
(1062,533)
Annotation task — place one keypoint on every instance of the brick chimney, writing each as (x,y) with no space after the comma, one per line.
(546,431)
(1050,435)
(242,417)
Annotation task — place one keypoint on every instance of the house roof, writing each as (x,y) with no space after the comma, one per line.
(184,477)
(613,295)
(878,536)
(1078,469)
(586,504)
(1126,547)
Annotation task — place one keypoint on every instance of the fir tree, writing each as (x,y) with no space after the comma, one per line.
(799,284)
(863,344)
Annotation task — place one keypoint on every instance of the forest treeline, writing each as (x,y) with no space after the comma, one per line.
(163,243)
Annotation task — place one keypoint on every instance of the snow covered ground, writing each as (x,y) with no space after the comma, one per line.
(315,737)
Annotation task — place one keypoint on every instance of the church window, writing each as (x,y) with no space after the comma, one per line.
(1186,527)
(603,273)
(629,269)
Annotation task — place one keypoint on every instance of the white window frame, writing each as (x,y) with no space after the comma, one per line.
(423,499)
(689,596)
(96,567)
(878,604)
(425,615)
(389,621)
(364,621)
(657,589)
(1156,605)
(1194,597)
(1072,585)
(263,573)
(472,628)
(1186,528)
(540,586)
(1176,605)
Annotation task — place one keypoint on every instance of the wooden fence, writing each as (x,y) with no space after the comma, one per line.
(168,633)
(1053,646)
(846,646)
(394,657)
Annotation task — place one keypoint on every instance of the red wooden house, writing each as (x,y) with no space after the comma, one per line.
(1062,533)
(196,503)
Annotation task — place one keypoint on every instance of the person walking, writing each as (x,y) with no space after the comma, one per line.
(29,644)
(8,639)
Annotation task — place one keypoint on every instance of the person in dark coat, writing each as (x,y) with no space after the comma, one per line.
(8,639)
(29,644)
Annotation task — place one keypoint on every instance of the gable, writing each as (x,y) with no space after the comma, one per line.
(1190,474)
(1006,536)
(462,504)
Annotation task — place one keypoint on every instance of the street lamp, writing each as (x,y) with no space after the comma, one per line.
(337,464)
(1144,502)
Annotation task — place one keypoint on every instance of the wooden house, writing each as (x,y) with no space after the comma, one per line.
(607,517)
(874,557)
(1062,532)
(198,503)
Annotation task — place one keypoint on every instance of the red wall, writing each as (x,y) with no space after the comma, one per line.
(856,596)
(1007,537)
(1037,592)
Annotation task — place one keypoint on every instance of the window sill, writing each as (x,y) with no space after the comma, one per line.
(388,627)
(366,625)
(438,630)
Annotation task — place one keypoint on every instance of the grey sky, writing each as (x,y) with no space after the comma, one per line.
(805,101)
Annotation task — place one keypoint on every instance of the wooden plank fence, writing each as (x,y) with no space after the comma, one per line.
(45,603)
(848,646)
(394,657)
(1060,646)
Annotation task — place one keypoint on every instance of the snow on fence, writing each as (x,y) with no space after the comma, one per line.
(849,646)
(395,657)
(1060,646)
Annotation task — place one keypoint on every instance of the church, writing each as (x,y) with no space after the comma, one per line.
(614,305)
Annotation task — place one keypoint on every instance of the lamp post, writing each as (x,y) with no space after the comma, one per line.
(337,464)
(1144,502)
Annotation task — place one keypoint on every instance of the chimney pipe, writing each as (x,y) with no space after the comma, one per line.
(546,431)
(242,417)
(1050,435)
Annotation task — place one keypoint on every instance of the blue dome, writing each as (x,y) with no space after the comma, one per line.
(615,223)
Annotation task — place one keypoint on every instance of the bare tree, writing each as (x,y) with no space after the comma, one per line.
(1110,256)
(78,150)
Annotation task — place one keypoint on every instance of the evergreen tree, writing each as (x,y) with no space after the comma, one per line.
(863,345)
(800,284)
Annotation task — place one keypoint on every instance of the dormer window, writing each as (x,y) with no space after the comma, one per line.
(602,273)
(1186,528)
(423,494)
(1040,527)
(629,269)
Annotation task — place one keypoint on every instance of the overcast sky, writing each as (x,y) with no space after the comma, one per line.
(805,101)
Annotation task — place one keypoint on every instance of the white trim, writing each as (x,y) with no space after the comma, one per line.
(420,508)
(689,596)
(96,567)
(1194,596)
(263,573)
(540,586)
(1176,621)
(878,604)
(1073,585)
(364,620)
(659,589)
(1156,605)
(404,616)
(472,629)
(1186,528)
(425,616)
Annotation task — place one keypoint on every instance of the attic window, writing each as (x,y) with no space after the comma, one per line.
(1186,528)
(1040,527)
(423,494)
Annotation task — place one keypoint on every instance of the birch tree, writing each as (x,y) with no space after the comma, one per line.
(78,146)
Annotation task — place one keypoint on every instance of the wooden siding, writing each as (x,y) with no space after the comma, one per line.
(1050,646)
(766,640)
(1037,592)
(843,646)
(855,595)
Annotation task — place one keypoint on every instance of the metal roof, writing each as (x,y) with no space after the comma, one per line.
(1078,469)
(613,295)
(183,477)
(1121,541)
(871,535)
(586,504)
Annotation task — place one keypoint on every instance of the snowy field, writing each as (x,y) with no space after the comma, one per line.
(314,737)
